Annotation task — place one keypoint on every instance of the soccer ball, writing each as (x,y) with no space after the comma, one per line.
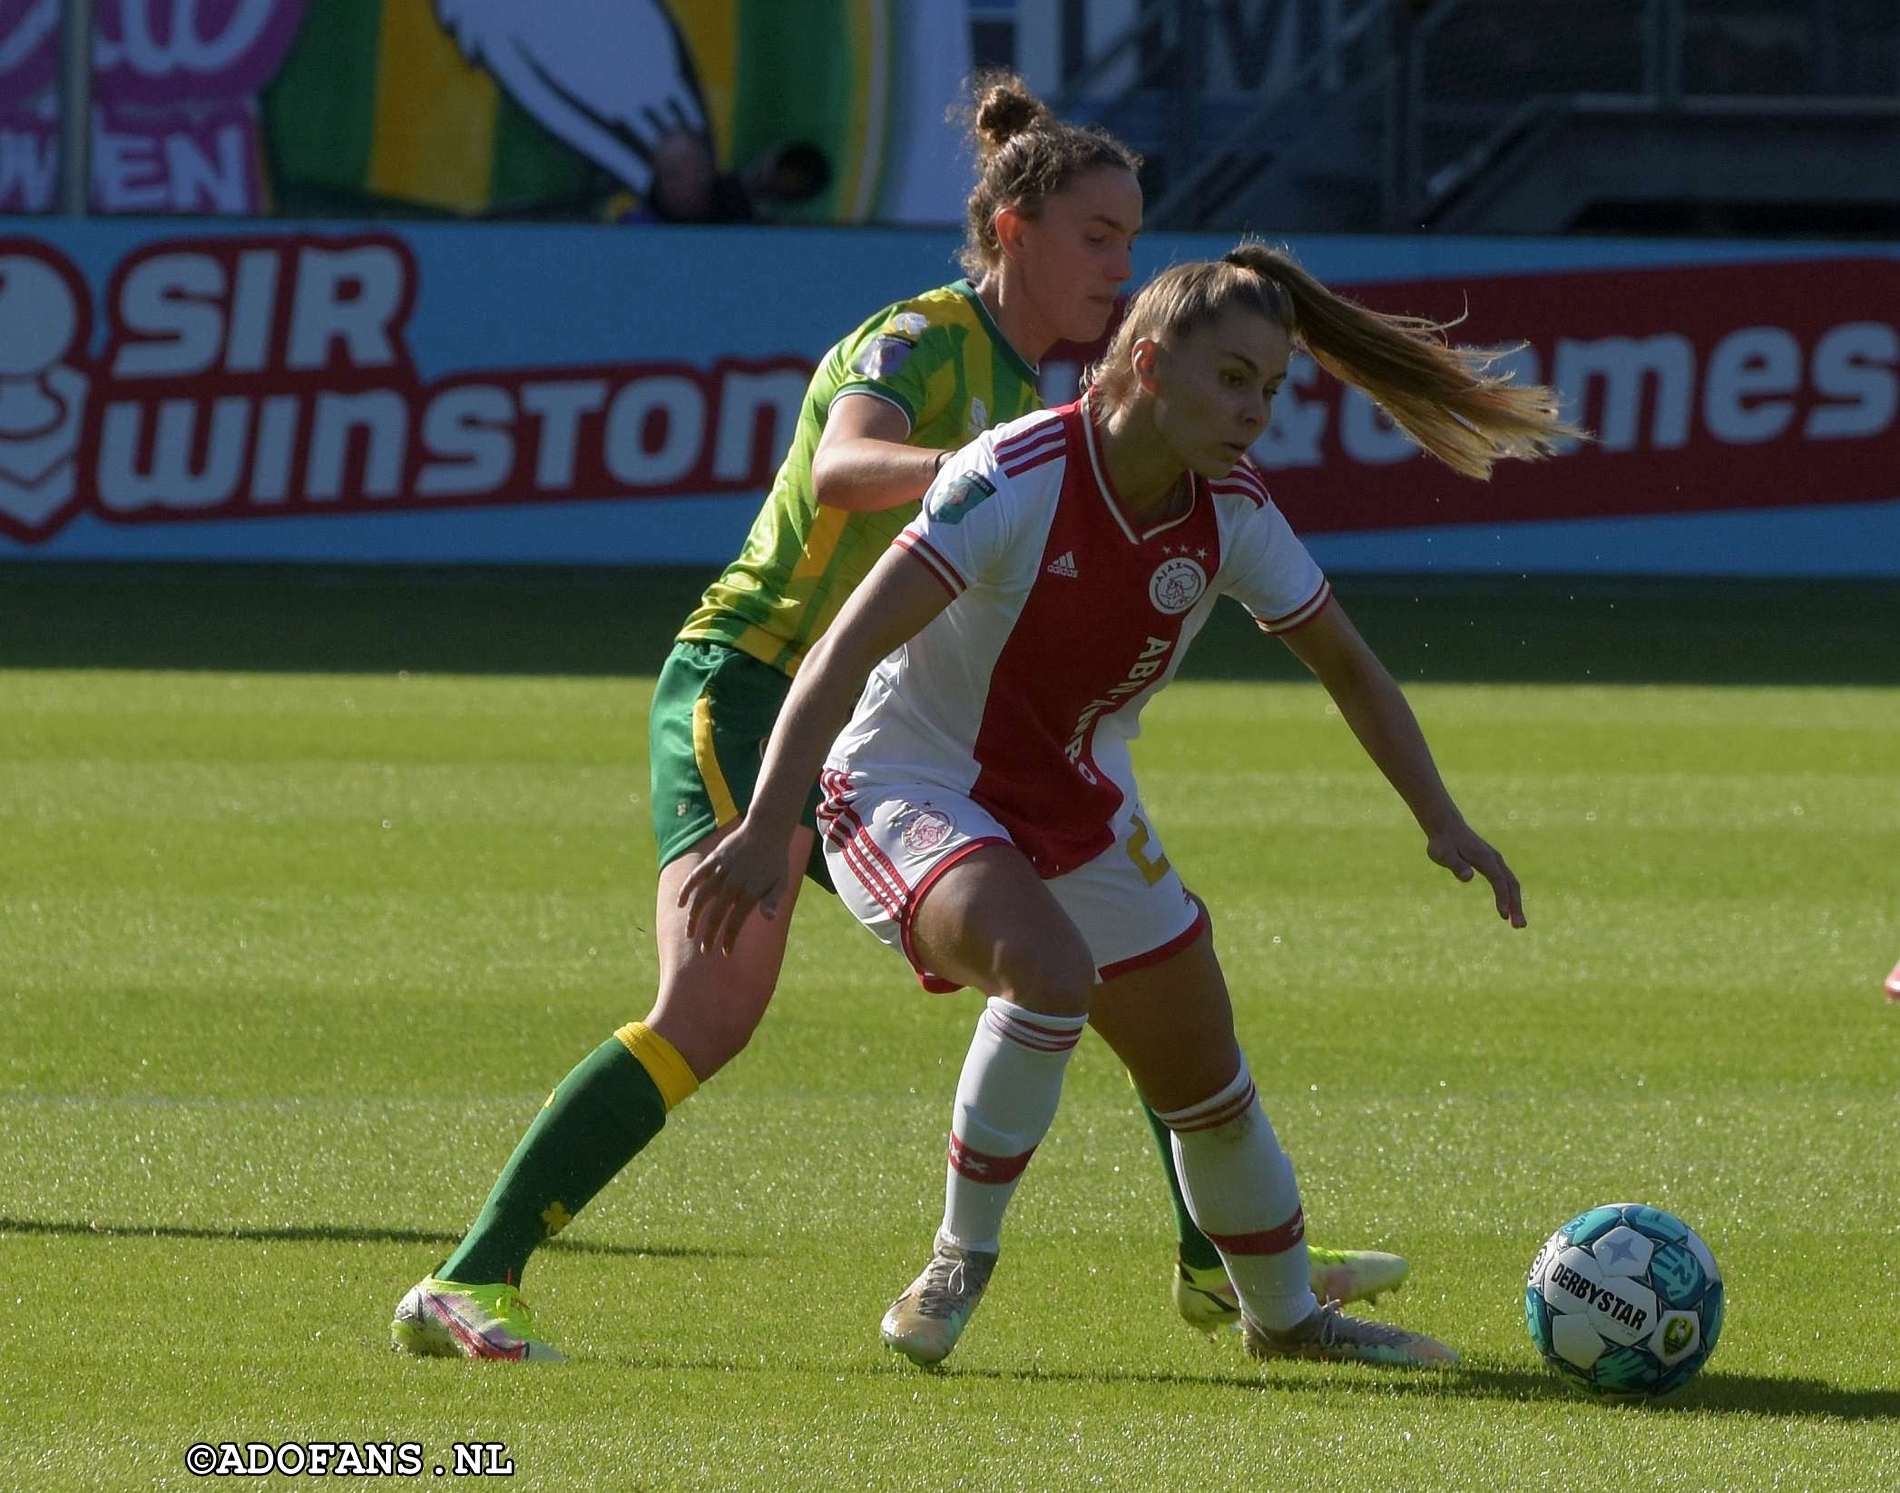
(1624,1302)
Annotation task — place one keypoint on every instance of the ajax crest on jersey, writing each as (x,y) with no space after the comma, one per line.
(1624,1302)
(1176,585)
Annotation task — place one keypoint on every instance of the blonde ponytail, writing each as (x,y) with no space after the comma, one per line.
(1447,398)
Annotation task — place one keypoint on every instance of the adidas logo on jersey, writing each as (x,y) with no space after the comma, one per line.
(1063,564)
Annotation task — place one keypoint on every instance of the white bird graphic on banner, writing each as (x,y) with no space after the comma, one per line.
(610,80)
(42,398)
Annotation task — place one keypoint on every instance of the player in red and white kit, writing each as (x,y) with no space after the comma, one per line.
(1008,719)
(981,812)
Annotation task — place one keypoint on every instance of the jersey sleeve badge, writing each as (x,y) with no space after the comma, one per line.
(882,356)
(949,503)
(891,348)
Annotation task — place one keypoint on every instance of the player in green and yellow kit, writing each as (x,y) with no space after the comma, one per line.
(1051,222)
(937,371)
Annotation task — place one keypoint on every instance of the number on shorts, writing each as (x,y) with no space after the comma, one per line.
(1151,870)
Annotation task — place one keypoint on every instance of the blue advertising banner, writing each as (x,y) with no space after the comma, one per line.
(516,393)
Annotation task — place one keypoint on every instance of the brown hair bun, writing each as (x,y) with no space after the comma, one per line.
(1005,108)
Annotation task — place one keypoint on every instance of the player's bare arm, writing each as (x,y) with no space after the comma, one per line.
(1376,709)
(863,463)
(747,869)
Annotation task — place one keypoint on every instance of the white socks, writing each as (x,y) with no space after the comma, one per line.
(1240,1189)
(1238,1182)
(1006,1099)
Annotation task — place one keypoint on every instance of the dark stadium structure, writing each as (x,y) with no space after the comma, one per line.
(1721,117)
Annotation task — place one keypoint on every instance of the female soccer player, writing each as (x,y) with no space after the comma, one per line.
(1050,223)
(981,812)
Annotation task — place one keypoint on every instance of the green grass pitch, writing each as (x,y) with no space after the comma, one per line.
(311,888)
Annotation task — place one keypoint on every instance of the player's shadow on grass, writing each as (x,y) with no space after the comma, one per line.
(1720,1393)
(338,1234)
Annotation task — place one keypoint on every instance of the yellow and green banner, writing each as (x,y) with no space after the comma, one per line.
(488,107)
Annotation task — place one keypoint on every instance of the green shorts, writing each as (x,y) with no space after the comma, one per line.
(713,711)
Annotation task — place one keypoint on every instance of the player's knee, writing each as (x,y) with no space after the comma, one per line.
(710,1025)
(1057,977)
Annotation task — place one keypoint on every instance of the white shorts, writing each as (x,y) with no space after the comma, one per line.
(886,844)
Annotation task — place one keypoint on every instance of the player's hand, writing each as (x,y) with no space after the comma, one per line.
(1464,852)
(719,894)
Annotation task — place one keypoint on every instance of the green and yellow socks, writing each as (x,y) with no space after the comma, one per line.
(601,1116)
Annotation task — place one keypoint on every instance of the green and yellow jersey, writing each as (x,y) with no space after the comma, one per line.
(941,360)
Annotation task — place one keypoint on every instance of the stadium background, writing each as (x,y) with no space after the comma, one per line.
(610,389)
(322,775)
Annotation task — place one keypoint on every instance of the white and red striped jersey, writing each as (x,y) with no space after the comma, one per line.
(1025,692)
